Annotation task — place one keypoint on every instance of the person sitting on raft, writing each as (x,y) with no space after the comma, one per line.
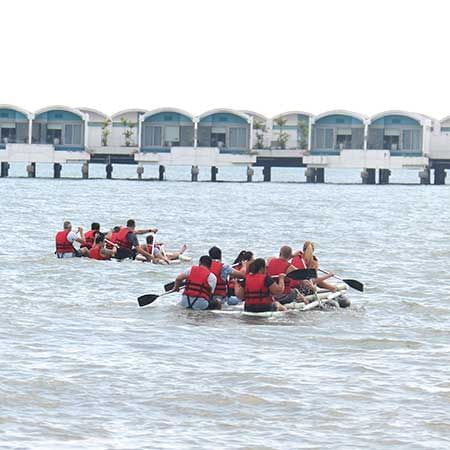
(277,266)
(307,260)
(99,252)
(89,236)
(159,252)
(126,237)
(64,242)
(200,284)
(240,264)
(222,272)
(257,289)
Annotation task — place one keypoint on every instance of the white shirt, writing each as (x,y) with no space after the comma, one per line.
(72,236)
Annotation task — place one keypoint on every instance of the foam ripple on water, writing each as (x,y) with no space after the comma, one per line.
(82,367)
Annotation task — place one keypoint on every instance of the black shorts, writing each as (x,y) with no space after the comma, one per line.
(260,308)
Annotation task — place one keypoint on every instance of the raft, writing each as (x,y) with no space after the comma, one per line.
(323,300)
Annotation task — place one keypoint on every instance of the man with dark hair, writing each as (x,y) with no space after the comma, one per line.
(89,236)
(222,272)
(200,284)
(126,237)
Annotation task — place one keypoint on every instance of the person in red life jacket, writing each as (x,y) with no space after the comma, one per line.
(306,287)
(111,236)
(127,238)
(200,284)
(241,264)
(258,289)
(222,272)
(65,239)
(279,265)
(99,252)
(89,236)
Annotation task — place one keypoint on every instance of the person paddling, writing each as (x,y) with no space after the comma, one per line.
(222,272)
(200,284)
(126,237)
(99,252)
(257,289)
(277,266)
(65,239)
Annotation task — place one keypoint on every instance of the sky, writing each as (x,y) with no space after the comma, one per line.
(266,56)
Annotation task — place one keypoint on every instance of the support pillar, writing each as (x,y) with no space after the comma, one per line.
(31,170)
(439,175)
(57,170)
(383,176)
(214,172)
(250,173)
(368,176)
(4,169)
(109,170)
(85,170)
(140,171)
(267,173)
(320,175)
(310,174)
(194,173)
(162,171)
(425,176)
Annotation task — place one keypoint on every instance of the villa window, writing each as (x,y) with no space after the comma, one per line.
(172,136)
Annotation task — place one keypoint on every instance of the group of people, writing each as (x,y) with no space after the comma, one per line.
(120,242)
(262,285)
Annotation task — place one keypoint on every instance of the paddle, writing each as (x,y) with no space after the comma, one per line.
(355,284)
(299,274)
(147,299)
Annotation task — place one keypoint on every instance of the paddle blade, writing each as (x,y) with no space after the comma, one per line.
(302,274)
(145,300)
(355,284)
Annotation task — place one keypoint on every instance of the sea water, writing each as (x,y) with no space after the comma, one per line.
(82,367)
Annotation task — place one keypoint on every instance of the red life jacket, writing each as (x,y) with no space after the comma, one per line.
(277,266)
(221,286)
(121,238)
(62,244)
(94,253)
(197,283)
(89,238)
(256,292)
(149,248)
(299,263)
(111,239)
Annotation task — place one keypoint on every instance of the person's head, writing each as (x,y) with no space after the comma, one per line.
(215,253)
(286,252)
(308,244)
(257,266)
(131,224)
(244,255)
(149,239)
(116,229)
(95,226)
(205,260)
(67,225)
(99,238)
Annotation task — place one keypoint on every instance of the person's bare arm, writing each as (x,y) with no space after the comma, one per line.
(142,252)
(81,234)
(277,288)
(146,230)
(178,280)
(239,290)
